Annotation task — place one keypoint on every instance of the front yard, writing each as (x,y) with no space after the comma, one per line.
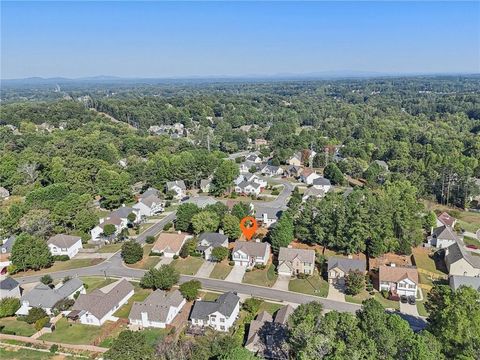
(188,266)
(11,325)
(62,265)
(359,298)
(387,304)
(148,261)
(73,333)
(421,304)
(265,277)
(312,285)
(95,282)
(221,270)
(110,248)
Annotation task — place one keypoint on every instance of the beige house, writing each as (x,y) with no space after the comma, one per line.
(170,244)
(339,267)
(296,261)
(459,261)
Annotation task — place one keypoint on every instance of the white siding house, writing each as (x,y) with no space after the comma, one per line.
(250,253)
(62,244)
(219,314)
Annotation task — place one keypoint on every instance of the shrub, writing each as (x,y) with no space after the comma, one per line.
(355,282)
(189,289)
(53,348)
(220,253)
(46,279)
(132,252)
(252,305)
(275,191)
(168,204)
(259,266)
(40,323)
(61,258)
(150,239)
(175,257)
(9,306)
(66,279)
(168,226)
(35,314)
(302,276)
(384,293)
(163,278)
(248,270)
(64,304)
(153,253)
(231,263)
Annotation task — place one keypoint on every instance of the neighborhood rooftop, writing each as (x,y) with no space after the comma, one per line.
(398,273)
(225,304)
(8,284)
(346,265)
(43,296)
(64,241)
(156,305)
(304,255)
(457,251)
(251,248)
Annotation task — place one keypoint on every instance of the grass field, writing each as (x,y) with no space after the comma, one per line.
(387,303)
(471,241)
(265,277)
(209,296)
(110,248)
(12,325)
(221,270)
(421,304)
(154,335)
(62,265)
(12,353)
(148,261)
(269,307)
(188,266)
(424,261)
(358,299)
(139,295)
(472,227)
(69,333)
(96,282)
(313,285)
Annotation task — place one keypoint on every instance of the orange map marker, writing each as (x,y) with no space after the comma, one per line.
(248,231)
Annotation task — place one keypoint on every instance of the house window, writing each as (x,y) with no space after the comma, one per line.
(222,320)
(222,327)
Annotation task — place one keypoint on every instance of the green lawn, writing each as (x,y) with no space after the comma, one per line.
(265,277)
(269,307)
(11,353)
(209,296)
(472,227)
(421,304)
(188,266)
(424,261)
(145,226)
(139,295)
(62,265)
(96,282)
(153,336)
(71,333)
(148,261)
(313,285)
(221,270)
(358,299)
(471,241)
(387,303)
(12,325)
(110,248)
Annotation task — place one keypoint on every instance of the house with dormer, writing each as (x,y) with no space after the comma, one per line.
(220,314)
(398,280)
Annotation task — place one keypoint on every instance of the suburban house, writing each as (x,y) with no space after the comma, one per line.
(178,187)
(267,334)
(250,178)
(398,280)
(296,159)
(62,244)
(170,244)
(293,171)
(122,213)
(150,191)
(219,314)
(301,157)
(295,261)
(442,237)
(4,193)
(9,287)
(271,170)
(43,296)
(202,201)
(322,183)
(248,188)
(209,241)
(308,175)
(149,206)
(250,253)
(205,185)
(339,267)
(457,281)
(459,261)
(254,158)
(313,192)
(97,307)
(157,310)
(260,142)
(267,216)
(5,251)
(97,232)
(445,219)
(247,165)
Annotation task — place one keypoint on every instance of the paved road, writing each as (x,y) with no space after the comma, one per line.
(156,228)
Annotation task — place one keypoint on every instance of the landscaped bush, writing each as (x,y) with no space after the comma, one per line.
(175,257)
(9,306)
(34,314)
(248,270)
(64,304)
(168,226)
(302,276)
(61,258)
(150,239)
(152,253)
(231,263)
(275,191)
(40,323)
(252,305)
(46,279)
(53,348)
(384,293)
(259,267)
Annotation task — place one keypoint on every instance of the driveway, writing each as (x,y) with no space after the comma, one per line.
(282,282)
(236,275)
(206,269)
(409,309)
(336,292)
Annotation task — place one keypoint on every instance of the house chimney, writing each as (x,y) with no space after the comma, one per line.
(392,264)
(221,231)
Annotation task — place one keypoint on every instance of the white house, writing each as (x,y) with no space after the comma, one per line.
(322,184)
(44,297)
(97,307)
(296,159)
(205,185)
(97,232)
(313,192)
(209,241)
(177,186)
(248,188)
(9,287)
(158,310)
(250,253)
(170,244)
(398,280)
(255,179)
(219,314)
(461,262)
(62,244)
(308,175)
(442,237)
(267,216)
(253,158)
(149,206)
(271,170)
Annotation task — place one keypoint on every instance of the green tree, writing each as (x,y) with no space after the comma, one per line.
(29,252)
(238,353)
(231,226)
(333,173)
(189,289)
(34,314)
(113,187)
(354,282)
(163,278)
(46,279)
(9,306)
(109,230)
(282,234)
(131,217)
(132,252)
(223,177)
(240,210)
(130,345)
(220,253)
(205,221)
(185,213)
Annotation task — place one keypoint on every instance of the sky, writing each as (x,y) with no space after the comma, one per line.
(186,39)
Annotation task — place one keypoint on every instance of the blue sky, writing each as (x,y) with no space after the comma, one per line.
(169,39)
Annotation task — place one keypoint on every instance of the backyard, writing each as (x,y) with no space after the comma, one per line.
(188,266)
(10,325)
(12,353)
(312,285)
(73,333)
(265,277)
(221,270)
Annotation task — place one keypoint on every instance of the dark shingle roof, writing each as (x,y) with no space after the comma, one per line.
(321,181)
(63,240)
(156,305)
(225,304)
(456,281)
(346,265)
(214,239)
(456,252)
(8,284)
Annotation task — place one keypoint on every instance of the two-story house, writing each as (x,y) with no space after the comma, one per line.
(442,237)
(209,241)
(62,244)
(339,267)
(295,261)
(9,287)
(398,280)
(178,187)
(219,314)
(149,206)
(250,253)
(459,261)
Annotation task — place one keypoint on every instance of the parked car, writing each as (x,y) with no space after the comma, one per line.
(403,299)
(411,300)
(474,247)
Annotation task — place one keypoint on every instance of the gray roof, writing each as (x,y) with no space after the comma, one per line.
(8,284)
(179,183)
(456,281)
(255,325)
(156,305)
(271,168)
(150,191)
(99,303)
(205,182)
(202,201)
(45,297)
(63,240)
(4,192)
(444,232)
(251,157)
(282,315)
(214,239)
(456,252)
(314,192)
(321,181)
(251,248)
(122,212)
(346,265)
(225,304)
(304,255)
(6,247)
(272,213)
(382,163)
(150,200)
